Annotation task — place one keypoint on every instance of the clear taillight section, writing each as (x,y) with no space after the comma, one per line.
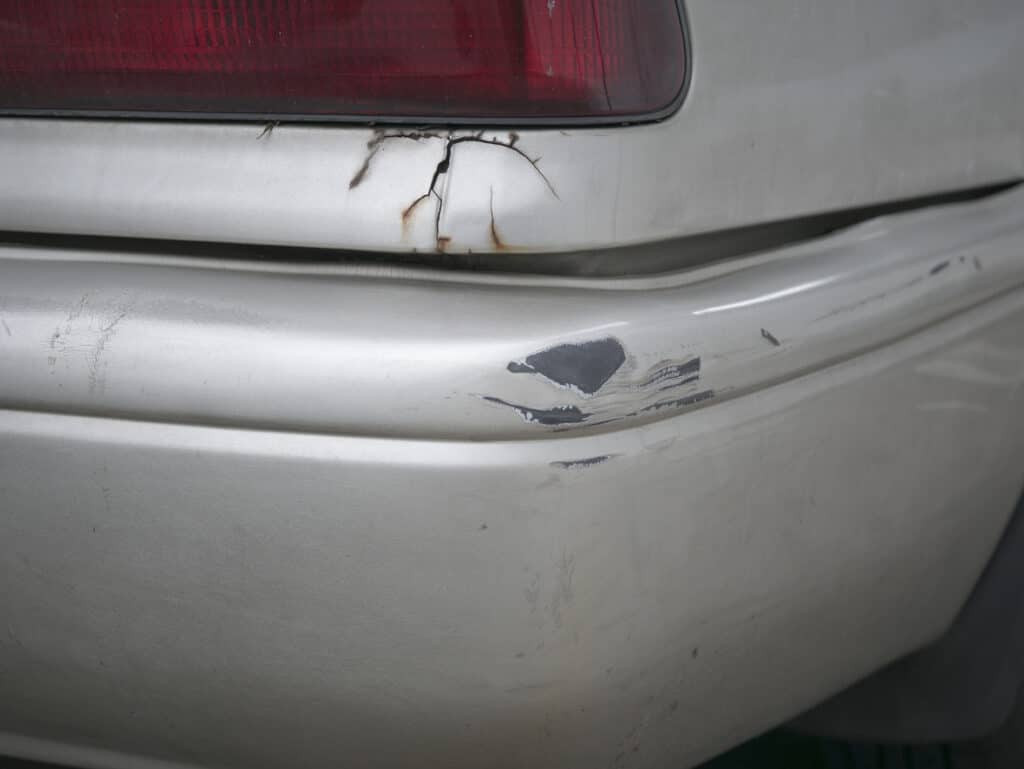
(370,59)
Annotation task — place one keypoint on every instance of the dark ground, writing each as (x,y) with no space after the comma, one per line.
(783,750)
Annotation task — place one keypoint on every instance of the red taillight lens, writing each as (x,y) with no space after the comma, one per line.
(371,59)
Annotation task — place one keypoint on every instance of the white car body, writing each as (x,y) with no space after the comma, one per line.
(264,511)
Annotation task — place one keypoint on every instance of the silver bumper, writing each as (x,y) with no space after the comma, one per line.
(261,517)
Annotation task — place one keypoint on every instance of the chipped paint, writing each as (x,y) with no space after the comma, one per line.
(583,368)
(613,386)
(551,417)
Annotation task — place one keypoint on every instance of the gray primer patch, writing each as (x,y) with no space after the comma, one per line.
(585,367)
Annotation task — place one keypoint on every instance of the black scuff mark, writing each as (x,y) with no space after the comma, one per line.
(268,129)
(444,166)
(770,337)
(374,146)
(584,367)
(938,268)
(977,264)
(580,464)
(549,417)
(676,403)
(869,299)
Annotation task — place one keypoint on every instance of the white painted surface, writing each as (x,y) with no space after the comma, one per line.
(796,107)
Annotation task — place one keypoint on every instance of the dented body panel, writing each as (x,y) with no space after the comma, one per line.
(252,521)
(272,507)
(795,107)
(482,357)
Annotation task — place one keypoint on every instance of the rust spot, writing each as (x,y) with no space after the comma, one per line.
(442,170)
(408,212)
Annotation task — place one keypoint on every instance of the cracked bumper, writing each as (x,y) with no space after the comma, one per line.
(258,517)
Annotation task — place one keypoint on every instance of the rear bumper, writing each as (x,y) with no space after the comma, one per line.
(262,518)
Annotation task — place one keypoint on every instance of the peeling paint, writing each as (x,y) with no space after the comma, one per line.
(551,417)
(600,372)
(585,367)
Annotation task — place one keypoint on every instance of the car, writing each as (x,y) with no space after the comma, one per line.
(504,383)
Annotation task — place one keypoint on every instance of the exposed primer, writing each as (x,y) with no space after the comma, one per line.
(612,388)
(584,367)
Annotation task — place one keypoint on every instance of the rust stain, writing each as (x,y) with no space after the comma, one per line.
(496,241)
(407,215)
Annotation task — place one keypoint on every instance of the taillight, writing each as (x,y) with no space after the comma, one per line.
(444,60)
